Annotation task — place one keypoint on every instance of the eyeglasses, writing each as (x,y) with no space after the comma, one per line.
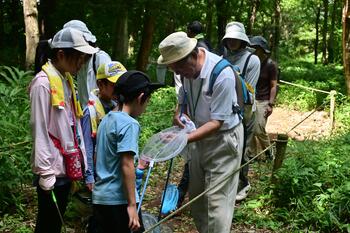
(179,64)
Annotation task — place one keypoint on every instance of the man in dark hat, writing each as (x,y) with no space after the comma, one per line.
(266,90)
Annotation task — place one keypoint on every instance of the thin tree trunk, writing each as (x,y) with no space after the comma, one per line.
(276,29)
(331,33)
(121,41)
(46,18)
(2,32)
(30,12)
(324,32)
(209,20)
(146,42)
(252,15)
(346,43)
(317,26)
(221,22)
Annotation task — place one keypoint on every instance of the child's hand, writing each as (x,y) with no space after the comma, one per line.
(134,223)
(142,164)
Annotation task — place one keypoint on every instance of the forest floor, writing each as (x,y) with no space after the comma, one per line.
(281,121)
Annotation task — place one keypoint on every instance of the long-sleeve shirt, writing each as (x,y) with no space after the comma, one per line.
(47,162)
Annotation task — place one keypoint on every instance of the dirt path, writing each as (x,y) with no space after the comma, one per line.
(315,127)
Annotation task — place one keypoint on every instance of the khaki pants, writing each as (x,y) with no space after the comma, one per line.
(213,158)
(260,132)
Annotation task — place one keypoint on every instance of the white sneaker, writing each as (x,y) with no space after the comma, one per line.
(241,195)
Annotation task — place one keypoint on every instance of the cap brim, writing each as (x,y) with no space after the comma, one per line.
(114,78)
(155,86)
(162,61)
(86,49)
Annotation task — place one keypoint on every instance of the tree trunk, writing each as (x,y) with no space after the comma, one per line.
(209,20)
(2,32)
(30,12)
(221,21)
(276,29)
(146,41)
(46,18)
(324,32)
(346,43)
(318,13)
(331,33)
(121,41)
(252,15)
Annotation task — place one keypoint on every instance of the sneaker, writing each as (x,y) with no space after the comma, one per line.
(241,195)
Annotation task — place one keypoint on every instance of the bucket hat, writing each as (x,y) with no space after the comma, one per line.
(175,47)
(81,26)
(71,38)
(261,42)
(110,71)
(235,30)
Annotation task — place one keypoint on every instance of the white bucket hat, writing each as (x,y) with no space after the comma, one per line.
(71,38)
(81,26)
(235,30)
(175,47)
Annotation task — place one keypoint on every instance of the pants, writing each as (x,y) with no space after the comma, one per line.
(260,131)
(211,159)
(184,182)
(249,126)
(48,219)
(114,218)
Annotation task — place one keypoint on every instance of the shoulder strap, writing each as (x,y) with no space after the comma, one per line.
(218,68)
(246,65)
(94,63)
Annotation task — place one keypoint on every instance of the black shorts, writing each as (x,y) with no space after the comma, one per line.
(114,218)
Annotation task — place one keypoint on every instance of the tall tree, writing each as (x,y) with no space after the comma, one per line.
(324,32)
(332,32)
(121,40)
(317,26)
(252,15)
(209,19)
(46,18)
(30,12)
(2,32)
(346,43)
(221,21)
(147,38)
(276,28)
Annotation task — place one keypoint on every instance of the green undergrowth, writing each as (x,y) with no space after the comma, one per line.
(303,72)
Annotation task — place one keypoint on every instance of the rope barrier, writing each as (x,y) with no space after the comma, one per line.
(301,86)
(220,181)
(315,110)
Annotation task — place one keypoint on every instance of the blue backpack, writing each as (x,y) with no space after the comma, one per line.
(245,92)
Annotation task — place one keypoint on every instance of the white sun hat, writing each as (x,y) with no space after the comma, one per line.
(175,47)
(235,30)
(81,26)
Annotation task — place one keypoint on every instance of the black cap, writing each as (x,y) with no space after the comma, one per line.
(133,81)
(261,42)
(195,27)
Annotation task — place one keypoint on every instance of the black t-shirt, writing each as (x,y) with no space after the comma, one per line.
(268,72)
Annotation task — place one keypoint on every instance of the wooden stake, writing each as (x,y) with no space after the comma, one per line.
(331,110)
(281,146)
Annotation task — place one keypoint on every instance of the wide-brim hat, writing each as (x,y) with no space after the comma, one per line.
(235,30)
(81,26)
(261,42)
(110,71)
(71,38)
(175,47)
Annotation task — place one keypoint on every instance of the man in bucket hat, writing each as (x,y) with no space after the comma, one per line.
(215,147)
(266,90)
(236,42)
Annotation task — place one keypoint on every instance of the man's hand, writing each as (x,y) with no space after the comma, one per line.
(134,223)
(268,111)
(178,122)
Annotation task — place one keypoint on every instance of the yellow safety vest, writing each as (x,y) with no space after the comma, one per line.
(57,91)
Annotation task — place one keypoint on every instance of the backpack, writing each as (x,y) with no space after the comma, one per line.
(245,92)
